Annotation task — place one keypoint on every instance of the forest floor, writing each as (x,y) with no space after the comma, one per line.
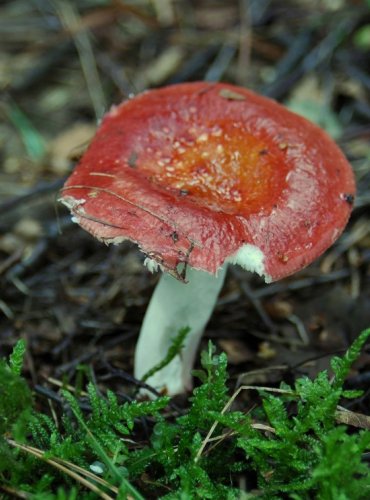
(79,303)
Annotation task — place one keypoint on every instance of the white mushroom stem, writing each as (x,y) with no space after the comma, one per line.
(175,305)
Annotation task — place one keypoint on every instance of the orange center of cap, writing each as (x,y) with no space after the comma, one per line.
(221,167)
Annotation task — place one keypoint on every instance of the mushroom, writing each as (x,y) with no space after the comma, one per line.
(201,175)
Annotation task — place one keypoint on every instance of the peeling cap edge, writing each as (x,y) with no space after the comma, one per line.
(249,257)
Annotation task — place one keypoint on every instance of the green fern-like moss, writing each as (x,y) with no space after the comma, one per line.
(290,444)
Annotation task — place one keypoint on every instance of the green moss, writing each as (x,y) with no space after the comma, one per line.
(290,445)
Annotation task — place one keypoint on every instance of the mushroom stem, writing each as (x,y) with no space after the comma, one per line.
(175,305)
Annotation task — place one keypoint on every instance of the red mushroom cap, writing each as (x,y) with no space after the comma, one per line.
(193,172)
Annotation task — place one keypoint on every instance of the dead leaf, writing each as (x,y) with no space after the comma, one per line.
(237,351)
(348,417)
(68,145)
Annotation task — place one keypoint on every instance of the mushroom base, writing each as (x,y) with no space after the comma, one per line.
(175,305)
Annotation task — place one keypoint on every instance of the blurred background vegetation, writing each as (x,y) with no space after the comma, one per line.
(78,304)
